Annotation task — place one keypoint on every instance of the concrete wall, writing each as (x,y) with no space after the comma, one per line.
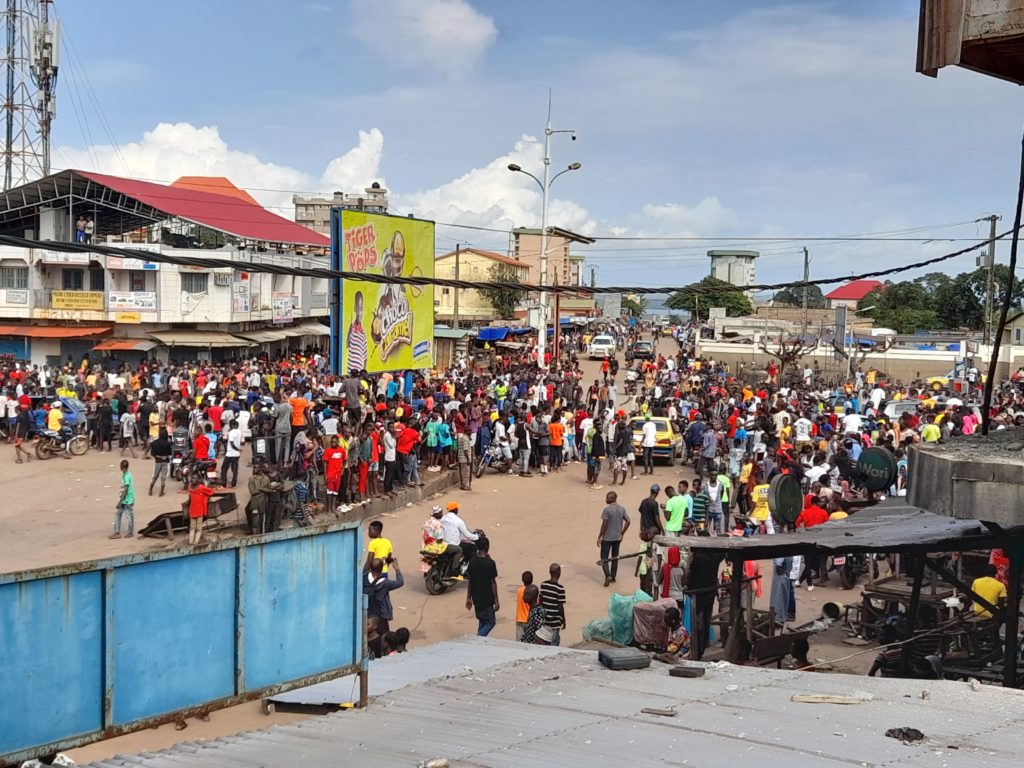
(902,364)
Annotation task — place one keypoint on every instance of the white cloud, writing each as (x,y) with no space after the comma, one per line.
(172,150)
(445,35)
(489,196)
(360,165)
(493,196)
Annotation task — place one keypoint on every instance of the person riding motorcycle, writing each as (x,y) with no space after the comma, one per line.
(456,533)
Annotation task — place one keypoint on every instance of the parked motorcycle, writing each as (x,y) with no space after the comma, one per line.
(849,568)
(444,570)
(206,468)
(51,443)
(493,458)
(179,451)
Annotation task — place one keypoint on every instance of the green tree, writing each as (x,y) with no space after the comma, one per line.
(634,307)
(725,295)
(905,307)
(957,305)
(794,297)
(978,280)
(504,300)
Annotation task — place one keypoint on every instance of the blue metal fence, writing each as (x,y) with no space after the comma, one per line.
(93,650)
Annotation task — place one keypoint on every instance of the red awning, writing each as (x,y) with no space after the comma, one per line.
(232,215)
(125,345)
(53,331)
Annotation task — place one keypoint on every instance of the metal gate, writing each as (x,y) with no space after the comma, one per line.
(97,649)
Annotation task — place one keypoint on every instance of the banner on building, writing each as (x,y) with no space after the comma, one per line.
(128,317)
(386,327)
(240,297)
(132,301)
(281,307)
(85,300)
(119,262)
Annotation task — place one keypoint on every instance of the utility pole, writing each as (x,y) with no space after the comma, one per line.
(455,300)
(593,277)
(545,186)
(807,276)
(989,262)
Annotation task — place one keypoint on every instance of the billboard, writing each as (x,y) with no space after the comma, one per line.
(385,327)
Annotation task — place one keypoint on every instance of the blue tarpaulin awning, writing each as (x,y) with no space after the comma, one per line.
(492,334)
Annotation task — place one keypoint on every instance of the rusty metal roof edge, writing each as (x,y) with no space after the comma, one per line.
(86,566)
(875,529)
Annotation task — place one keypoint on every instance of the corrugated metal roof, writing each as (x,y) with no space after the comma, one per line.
(432,661)
(873,529)
(566,710)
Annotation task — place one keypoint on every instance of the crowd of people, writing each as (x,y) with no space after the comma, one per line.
(320,443)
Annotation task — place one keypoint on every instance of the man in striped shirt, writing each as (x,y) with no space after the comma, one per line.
(701,501)
(552,600)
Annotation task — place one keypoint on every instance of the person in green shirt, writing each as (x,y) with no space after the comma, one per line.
(677,509)
(930,432)
(125,504)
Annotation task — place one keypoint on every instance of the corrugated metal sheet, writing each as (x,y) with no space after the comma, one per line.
(96,649)
(874,529)
(433,661)
(566,710)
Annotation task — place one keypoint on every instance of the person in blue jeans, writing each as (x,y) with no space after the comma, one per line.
(482,592)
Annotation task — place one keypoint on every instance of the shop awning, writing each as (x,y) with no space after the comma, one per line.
(492,334)
(125,345)
(308,329)
(198,339)
(54,331)
(264,335)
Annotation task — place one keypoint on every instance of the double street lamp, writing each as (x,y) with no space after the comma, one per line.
(545,186)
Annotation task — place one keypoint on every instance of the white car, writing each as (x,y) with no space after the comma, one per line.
(601,347)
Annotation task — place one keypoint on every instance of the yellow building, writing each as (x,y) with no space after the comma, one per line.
(474,264)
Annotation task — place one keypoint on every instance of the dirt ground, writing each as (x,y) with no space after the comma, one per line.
(61,511)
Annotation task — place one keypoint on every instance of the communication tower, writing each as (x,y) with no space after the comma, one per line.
(29,106)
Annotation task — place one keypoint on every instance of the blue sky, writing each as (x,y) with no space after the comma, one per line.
(711,119)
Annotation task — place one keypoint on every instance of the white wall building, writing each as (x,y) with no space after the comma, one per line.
(736,267)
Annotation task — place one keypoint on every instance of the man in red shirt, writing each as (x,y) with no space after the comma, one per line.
(335,458)
(408,439)
(198,507)
(813,514)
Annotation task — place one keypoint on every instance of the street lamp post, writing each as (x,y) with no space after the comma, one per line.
(545,186)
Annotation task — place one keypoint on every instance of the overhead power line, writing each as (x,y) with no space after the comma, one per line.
(320,272)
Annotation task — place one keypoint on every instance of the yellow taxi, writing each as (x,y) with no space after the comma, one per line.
(668,442)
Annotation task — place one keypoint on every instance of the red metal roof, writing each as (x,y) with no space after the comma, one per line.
(232,215)
(854,291)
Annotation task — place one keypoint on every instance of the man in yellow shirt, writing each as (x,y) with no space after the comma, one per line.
(989,589)
(55,419)
(377,547)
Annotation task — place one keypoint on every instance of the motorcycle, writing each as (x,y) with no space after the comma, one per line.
(849,568)
(179,450)
(444,570)
(206,468)
(493,458)
(51,443)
